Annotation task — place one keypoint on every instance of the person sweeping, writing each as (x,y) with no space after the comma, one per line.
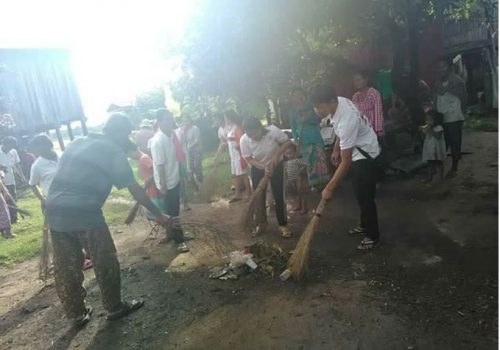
(87,171)
(263,147)
(355,150)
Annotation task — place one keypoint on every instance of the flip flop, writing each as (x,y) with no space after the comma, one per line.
(84,319)
(127,308)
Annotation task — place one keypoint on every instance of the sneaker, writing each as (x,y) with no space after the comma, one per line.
(188,236)
(285,231)
(182,248)
(83,319)
(356,231)
(368,243)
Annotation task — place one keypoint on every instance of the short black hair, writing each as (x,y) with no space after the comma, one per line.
(437,116)
(252,123)
(10,140)
(163,113)
(41,141)
(117,123)
(445,59)
(322,94)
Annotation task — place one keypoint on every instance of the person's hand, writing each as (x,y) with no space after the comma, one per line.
(336,158)
(327,194)
(268,171)
(163,189)
(167,221)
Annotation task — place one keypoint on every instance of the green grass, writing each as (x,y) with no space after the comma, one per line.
(481,123)
(27,244)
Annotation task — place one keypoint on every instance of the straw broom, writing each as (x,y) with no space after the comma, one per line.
(43,264)
(132,213)
(298,262)
(209,185)
(254,212)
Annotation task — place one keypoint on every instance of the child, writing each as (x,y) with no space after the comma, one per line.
(5,222)
(296,170)
(44,168)
(434,149)
(238,163)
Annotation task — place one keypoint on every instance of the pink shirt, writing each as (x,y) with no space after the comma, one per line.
(371,108)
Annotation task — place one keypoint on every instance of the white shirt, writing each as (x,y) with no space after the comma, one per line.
(222,134)
(193,137)
(180,136)
(42,173)
(354,130)
(451,108)
(263,150)
(163,154)
(9,160)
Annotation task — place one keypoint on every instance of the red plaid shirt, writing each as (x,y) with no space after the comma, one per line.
(371,108)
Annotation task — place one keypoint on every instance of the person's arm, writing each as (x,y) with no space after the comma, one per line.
(279,152)
(161,170)
(378,113)
(38,194)
(335,158)
(255,163)
(141,196)
(340,174)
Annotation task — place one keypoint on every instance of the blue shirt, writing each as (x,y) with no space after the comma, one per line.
(305,130)
(88,169)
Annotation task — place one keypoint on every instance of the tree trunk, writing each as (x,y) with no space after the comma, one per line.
(414,103)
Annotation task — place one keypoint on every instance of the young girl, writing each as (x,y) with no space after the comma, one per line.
(434,149)
(296,170)
(238,163)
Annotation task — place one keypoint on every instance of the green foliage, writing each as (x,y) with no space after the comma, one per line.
(149,101)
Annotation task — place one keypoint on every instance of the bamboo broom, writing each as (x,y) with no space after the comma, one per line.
(298,262)
(209,185)
(43,264)
(253,212)
(132,213)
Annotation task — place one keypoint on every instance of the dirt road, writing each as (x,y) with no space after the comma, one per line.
(431,284)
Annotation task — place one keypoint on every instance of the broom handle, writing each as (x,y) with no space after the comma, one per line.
(320,208)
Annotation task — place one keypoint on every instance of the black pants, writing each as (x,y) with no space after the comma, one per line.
(453,138)
(172,208)
(364,180)
(12,211)
(277,186)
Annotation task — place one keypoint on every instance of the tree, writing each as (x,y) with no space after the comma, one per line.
(147,102)
(255,50)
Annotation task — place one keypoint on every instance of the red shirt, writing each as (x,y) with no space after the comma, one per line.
(146,171)
(371,108)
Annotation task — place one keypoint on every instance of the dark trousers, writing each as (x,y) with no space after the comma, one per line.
(453,138)
(68,274)
(277,186)
(12,211)
(172,207)
(364,180)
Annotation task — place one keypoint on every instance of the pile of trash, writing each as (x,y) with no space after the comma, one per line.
(261,257)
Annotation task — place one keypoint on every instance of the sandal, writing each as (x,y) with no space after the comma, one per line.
(367,244)
(182,248)
(87,264)
(285,232)
(84,319)
(127,308)
(356,231)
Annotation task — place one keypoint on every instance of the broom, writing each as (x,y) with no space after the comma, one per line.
(132,213)
(298,262)
(253,213)
(210,183)
(43,264)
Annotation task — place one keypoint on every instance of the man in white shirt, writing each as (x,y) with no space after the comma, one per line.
(11,164)
(356,148)
(44,168)
(165,152)
(194,151)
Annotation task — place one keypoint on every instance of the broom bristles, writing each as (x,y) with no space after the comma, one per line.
(298,262)
(43,266)
(209,186)
(251,216)
(132,213)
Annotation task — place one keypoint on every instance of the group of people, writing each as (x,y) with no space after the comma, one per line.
(73,188)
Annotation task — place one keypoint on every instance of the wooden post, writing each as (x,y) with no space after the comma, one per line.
(84,128)
(59,138)
(70,132)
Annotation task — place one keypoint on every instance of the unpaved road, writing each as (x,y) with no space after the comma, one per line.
(431,284)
